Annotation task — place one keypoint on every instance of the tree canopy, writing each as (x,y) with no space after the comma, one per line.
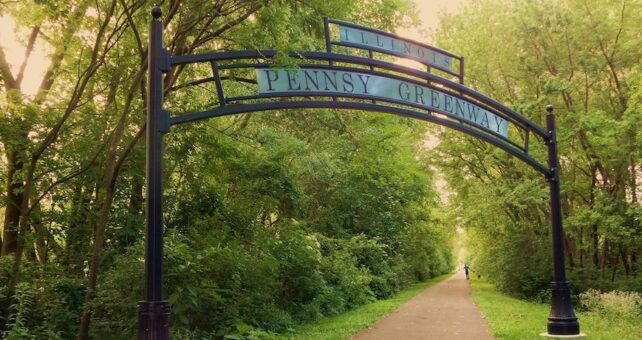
(582,57)
(274,219)
(271,219)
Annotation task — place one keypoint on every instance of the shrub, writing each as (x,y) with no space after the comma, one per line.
(18,323)
(615,304)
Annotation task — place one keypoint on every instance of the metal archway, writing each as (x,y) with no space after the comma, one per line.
(420,95)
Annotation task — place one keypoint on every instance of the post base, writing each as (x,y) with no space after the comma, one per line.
(153,320)
(562,320)
(563,325)
(563,337)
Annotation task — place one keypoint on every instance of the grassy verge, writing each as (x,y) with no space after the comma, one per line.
(344,325)
(511,318)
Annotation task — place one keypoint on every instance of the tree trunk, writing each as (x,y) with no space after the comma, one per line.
(596,247)
(40,233)
(625,262)
(605,254)
(114,161)
(614,263)
(136,196)
(78,234)
(15,190)
(23,226)
(92,278)
(581,248)
(570,249)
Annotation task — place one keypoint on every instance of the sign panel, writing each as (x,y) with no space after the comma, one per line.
(317,80)
(376,41)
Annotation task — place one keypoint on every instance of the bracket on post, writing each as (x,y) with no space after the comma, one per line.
(164,61)
(550,176)
(163,121)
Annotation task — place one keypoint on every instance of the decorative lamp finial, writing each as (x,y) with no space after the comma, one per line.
(157,12)
(549,108)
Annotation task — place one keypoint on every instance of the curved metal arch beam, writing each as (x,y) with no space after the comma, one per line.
(245,108)
(304,94)
(378,31)
(269,54)
(389,100)
(503,109)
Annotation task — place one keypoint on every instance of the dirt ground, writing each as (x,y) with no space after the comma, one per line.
(443,311)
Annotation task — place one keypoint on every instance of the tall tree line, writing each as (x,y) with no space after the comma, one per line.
(583,58)
(272,219)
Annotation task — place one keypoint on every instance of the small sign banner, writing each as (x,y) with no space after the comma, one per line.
(317,80)
(390,44)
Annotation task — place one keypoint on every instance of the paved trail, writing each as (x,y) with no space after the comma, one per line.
(443,311)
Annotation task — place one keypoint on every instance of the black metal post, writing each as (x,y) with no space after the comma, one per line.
(326,32)
(153,313)
(562,319)
(461,70)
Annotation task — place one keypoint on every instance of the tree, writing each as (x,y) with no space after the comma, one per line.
(579,56)
(74,176)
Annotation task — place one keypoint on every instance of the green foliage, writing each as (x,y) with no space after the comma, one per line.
(511,318)
(17,325)
(46,304)
(581,58)
(614,305)
(289,227)
(427,249)
(349,323)
(272,219)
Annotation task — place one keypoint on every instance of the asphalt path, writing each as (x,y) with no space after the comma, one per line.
(443,311)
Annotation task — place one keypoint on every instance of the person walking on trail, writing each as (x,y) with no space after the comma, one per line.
(466,270)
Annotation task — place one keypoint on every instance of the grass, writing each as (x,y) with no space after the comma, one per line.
(344,325)
(511,318)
